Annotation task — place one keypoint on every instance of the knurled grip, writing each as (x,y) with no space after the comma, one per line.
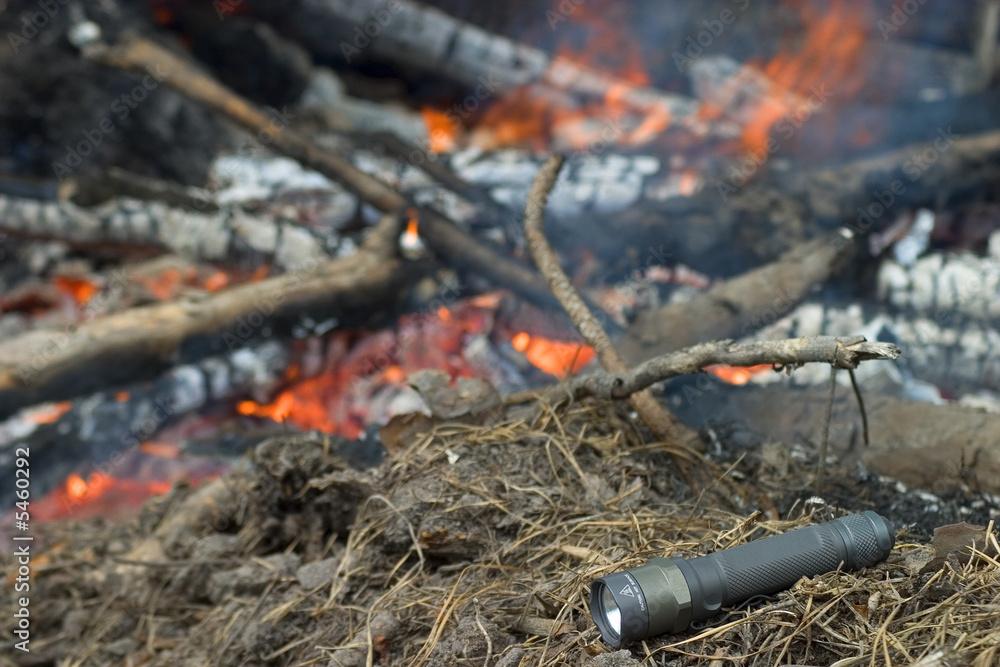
(765,566)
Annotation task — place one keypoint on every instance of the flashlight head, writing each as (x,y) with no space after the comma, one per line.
(633,604)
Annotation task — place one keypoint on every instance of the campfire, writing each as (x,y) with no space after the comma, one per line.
(373,331)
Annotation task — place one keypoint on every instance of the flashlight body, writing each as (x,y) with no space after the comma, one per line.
(668,594)
(775,563)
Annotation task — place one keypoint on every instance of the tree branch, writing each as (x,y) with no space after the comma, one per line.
(444,237)
(839,352)
(655,416)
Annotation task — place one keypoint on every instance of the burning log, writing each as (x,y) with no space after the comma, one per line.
(929,174)
(415,35)
(444,237)
(229,235)
(765,212)
(99,427)
(736,307)
(52,365)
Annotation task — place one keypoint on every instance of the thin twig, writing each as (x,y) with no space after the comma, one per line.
(664,425)
(861,405)
(824,444)
(844,353)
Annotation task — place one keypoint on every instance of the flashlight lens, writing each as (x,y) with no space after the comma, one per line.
(611,611)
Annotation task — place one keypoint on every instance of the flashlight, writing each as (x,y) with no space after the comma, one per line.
(666,595)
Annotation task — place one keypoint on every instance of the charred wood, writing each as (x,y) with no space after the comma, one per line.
(99,427)
(413,35)
(455,245)
(50,365)
(228,235)
(737,307)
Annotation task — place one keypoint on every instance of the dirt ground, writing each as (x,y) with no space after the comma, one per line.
(474,544)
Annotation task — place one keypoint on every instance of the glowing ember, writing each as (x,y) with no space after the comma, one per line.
(165,285)
(163,450)
(80,290)
(442,132)
(555,357)
(97,495)
(49,414)
(277,411)
(169,282)
(216,281)
(363,366)
(737,375)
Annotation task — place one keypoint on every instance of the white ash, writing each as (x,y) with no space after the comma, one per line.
(917,239)
(944,284)
(254,371)
(589,183)
(958,357)
(218,236)
(242,178)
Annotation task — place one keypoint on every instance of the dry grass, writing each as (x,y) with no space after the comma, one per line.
(479,546)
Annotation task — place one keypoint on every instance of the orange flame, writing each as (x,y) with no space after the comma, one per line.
(737,375)
(555,357)
(80,290)
(829,58)
(535,115)
(442,132)
(216,281)
(50,414)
